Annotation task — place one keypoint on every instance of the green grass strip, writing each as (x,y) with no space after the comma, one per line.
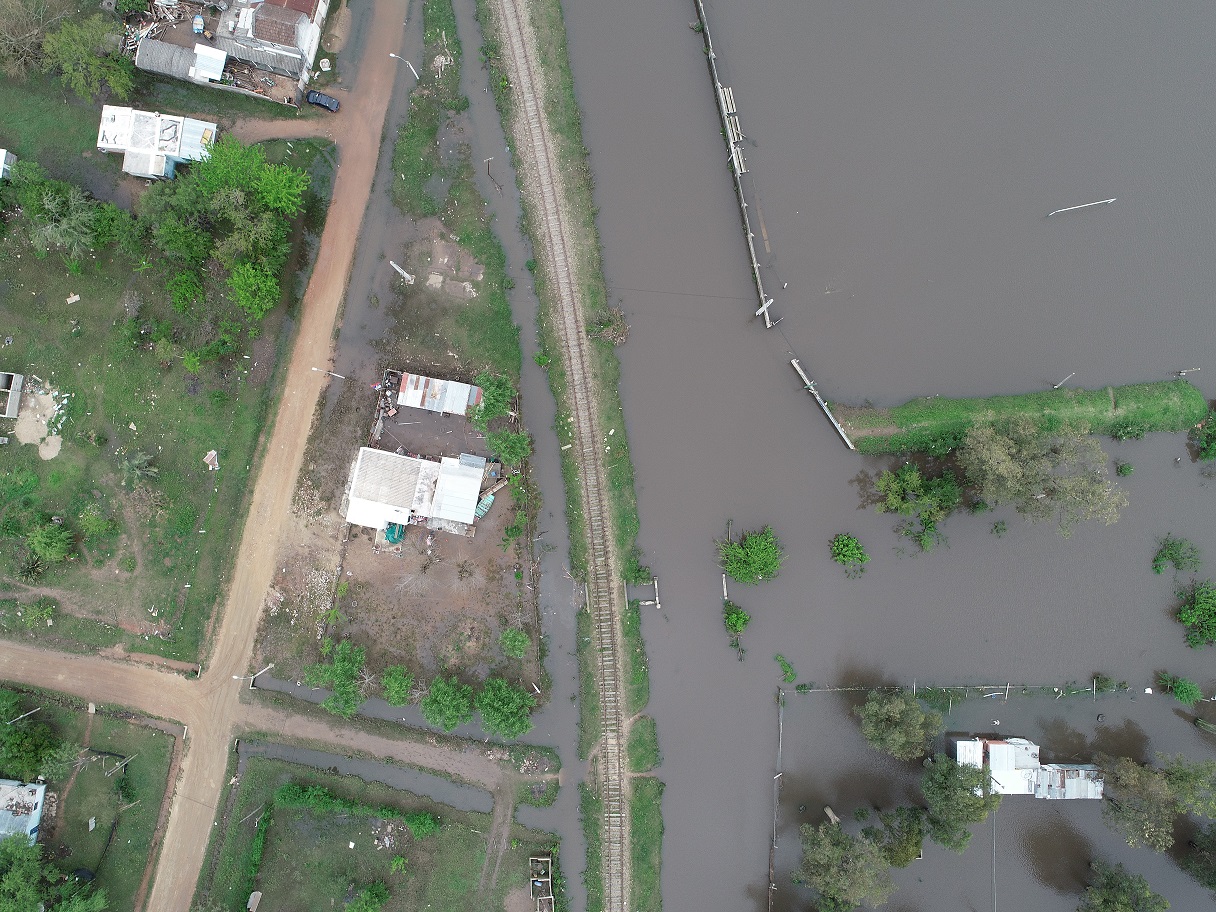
(591,812)
(937,424)
(646,821)
(643,747)
(637,673)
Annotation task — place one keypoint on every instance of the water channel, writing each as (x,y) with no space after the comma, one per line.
(903,160)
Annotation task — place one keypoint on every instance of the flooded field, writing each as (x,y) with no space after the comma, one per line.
(903,162)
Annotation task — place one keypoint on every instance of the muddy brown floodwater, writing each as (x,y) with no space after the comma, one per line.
(903,160)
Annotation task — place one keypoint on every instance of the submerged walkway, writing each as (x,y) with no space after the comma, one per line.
(544,189)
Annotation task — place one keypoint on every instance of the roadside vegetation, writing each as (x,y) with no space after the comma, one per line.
(132,329)
(284,822)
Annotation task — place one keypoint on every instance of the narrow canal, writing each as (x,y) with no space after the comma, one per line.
(903,161)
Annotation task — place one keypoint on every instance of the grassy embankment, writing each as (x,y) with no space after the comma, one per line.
(126,806)
(299,856)
(936,424)
(565,119)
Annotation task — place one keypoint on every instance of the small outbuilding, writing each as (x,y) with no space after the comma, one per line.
(449,397)
(10,394)
(153,144)
(1016,770)
(7,160)
(21,808)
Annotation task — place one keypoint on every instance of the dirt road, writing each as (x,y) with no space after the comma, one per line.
(545,190)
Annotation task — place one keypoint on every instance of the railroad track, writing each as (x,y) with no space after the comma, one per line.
(603,594)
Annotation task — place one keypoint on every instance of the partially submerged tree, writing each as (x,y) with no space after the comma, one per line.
(1179,553)
(1185,691)
(845,871)
(901,837)
(923,501)
(1140,804)
(957,795)
(1200,859)
(343,674)
(1059,474)
(1115,889)
(505,709)
(398,685)
(1197,612)
(755,556)
(897,724)
(448,704)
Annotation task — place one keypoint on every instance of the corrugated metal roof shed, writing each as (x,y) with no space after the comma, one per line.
(382,488)
(10,393)
(147,164)
(197,135)
(457,492)
(208,64)
(162,57)
(448,396)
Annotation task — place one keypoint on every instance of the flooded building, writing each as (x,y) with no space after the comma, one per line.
(392,489)
(1016,770)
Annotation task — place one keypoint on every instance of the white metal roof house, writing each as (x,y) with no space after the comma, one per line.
(1016,770)
(388,488)
(153,144)
(20,808)
(449,397)
(10,394)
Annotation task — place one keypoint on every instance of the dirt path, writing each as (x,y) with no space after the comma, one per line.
(544,188)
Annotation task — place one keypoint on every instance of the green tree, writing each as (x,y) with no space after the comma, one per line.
(230,164)
(398,685)
(369,899)
(50,542)
(1197,613)
(1192,782)
(845,871)
(84,54)
(343,674)
(254,289)
(58,762)
(514,643)
(848,552)
(447,704)
(186,290)
(1179,553)
(1061,474)
(897,724)
(64,221)
(1140,804)
(136,466)
(902,836)
(1200,859)
(25,745)
(497,395)
(756,556)
(1186,692)
(1204,437)
(1114,889)
(924,502)
(281,189)
(509,446)
(506,710)
(735,618)
(957,795)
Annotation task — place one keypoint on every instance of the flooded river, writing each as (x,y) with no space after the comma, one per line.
(903,162)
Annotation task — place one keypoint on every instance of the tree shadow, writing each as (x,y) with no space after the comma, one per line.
(1126,740)
(867,490)
(1061,743)
(854,673)
(1058,854)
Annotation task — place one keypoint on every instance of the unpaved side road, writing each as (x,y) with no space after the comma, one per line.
(545,191)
